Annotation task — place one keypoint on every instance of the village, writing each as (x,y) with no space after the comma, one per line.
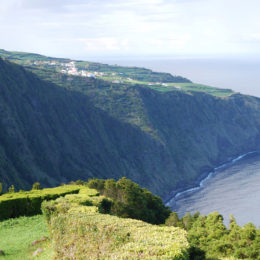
(70,68)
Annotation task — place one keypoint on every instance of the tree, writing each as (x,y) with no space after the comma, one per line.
(110,188)
(36,186)
(97,184)
(173,220)
(129,200)
(187,221)
(11,189)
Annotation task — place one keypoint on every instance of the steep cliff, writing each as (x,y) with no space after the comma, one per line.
(54,135)
(91,128)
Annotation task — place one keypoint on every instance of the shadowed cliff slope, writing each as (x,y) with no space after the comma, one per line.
(88,129)
(51,134)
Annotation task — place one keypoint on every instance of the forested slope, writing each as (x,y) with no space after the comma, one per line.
(86,127)
(54,135)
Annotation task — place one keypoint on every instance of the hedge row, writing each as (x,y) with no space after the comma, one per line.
(28,203)
(100,236)
(78,229)
(86,201)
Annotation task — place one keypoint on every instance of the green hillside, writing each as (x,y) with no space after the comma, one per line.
(57,127)
(53,135)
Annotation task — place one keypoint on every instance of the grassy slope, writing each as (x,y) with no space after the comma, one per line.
(17,235)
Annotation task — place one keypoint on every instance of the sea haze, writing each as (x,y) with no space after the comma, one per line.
(242,74)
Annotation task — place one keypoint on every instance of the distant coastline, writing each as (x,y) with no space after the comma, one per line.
(240,74)
(199,183)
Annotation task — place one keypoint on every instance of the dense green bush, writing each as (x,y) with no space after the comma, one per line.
(28,203)
(11,189)
(208,234)
(99,236)
(87,200)
(36,186)
(131,201)
(78,230)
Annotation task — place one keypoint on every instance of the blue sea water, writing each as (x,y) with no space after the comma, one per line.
(232,189)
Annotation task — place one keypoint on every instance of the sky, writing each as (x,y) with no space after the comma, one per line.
(116,28)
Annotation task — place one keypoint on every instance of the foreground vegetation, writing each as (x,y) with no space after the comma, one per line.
(108,237)
(18,234)
(79,229)
(211,236)
(28,203)
(78,225)
(87,223)
(131,201)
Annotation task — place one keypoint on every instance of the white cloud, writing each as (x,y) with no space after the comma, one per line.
(255,36)
(97,44)
(130,27)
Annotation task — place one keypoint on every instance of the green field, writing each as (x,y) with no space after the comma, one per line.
(189,87)
(17,235)
(175,86)
(204,88)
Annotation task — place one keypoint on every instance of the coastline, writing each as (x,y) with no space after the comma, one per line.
(202,178)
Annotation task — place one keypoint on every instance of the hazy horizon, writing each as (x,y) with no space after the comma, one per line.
(240,74)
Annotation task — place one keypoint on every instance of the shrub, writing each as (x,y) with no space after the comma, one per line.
(28,203)
(78,229)
(36,186)
(87,200)
(78,182)
(11,189)
(173,220)
(97,184)
(208,234)
(100,236)
(132,201)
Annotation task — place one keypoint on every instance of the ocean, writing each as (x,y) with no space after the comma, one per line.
(232,189)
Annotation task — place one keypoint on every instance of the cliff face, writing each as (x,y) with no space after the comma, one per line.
(52,135)
(201,131)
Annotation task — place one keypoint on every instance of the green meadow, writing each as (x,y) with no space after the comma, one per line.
(18,234)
